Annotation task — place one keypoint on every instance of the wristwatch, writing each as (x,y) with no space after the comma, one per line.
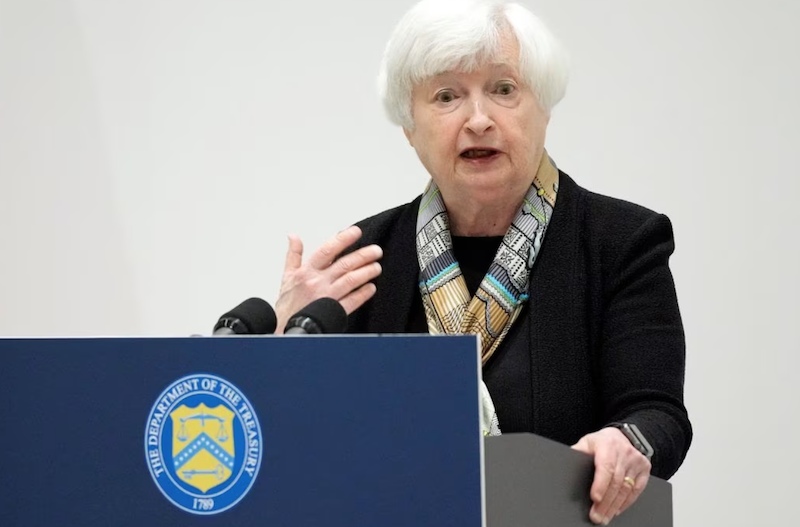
(636,438)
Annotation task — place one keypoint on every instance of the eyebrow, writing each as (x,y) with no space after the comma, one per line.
(494,65)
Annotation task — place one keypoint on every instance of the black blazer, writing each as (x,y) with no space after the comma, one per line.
(600,339)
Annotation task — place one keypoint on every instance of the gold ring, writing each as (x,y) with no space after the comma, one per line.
(629,481)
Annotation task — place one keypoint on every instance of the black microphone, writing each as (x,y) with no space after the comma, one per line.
(254,316)
(323,316)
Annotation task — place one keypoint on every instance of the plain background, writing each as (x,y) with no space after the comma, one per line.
(155,153)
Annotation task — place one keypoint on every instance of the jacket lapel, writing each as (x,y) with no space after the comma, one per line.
(388,311)
(552,325)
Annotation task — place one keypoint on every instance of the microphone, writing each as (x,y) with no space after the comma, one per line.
(254,316)
(322,316)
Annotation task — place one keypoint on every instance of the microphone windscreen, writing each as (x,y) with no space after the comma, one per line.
(256,314)
(329,315)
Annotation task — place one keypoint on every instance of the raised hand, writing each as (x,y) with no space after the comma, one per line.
(325,274)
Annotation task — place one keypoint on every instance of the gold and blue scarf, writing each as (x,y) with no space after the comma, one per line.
(503,291)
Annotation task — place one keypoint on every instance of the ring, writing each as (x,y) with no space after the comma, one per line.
(629,481)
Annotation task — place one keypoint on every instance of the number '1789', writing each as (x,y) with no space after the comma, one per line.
(203,504)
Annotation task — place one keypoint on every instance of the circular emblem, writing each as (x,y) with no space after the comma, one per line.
(203,444)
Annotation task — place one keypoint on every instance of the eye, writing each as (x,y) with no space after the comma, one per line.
(445,96)
(505,88)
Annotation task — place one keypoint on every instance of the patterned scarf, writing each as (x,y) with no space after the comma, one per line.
(502,293)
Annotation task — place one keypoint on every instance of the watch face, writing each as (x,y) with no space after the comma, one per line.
(637,439)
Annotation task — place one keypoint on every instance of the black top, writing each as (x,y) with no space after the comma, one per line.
(474,256)
(599,341)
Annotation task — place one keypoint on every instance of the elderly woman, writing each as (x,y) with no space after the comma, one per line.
(570,291)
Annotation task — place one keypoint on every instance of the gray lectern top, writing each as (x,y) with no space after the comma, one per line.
(535,482)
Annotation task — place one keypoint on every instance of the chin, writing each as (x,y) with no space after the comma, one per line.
(494,181)
(486,191)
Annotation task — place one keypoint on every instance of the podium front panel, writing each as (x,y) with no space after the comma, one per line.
(348,431)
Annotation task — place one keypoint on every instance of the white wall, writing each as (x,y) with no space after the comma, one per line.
(154,153)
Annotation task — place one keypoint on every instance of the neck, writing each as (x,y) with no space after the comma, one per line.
(482,219)
(493,218)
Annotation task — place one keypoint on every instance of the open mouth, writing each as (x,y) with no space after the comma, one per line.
(479,153)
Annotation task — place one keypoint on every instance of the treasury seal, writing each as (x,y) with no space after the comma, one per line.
(203,444)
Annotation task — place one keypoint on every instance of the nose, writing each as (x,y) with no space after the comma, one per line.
(479,121)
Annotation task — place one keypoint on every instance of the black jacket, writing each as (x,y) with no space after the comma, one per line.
(600,339)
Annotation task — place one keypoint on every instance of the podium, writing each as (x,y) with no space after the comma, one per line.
(285,431)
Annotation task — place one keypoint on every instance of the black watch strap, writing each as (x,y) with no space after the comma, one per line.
(636,438)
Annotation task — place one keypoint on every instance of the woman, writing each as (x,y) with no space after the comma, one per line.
(570,291)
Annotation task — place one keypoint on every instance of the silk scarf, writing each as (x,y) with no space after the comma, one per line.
(503,291)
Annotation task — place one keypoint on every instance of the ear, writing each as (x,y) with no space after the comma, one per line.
(409,136)
(545,113)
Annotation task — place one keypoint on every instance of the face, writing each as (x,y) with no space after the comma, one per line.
(480,134)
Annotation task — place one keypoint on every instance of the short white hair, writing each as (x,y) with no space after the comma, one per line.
(436,36)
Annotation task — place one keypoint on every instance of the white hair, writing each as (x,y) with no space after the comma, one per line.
(436,36)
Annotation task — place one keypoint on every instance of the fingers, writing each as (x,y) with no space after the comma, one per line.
(603,474)
(294,256)
(358,297)
(332,248)
(605,487)
(345,279)
(354,261)
(623,488)
(583,446)
(353,280)
(633,469)
(640,482)
(621,473)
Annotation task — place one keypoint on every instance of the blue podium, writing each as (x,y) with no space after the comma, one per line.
(275,431)
(293,431)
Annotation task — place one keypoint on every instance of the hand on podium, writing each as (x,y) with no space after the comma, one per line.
(621,473)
